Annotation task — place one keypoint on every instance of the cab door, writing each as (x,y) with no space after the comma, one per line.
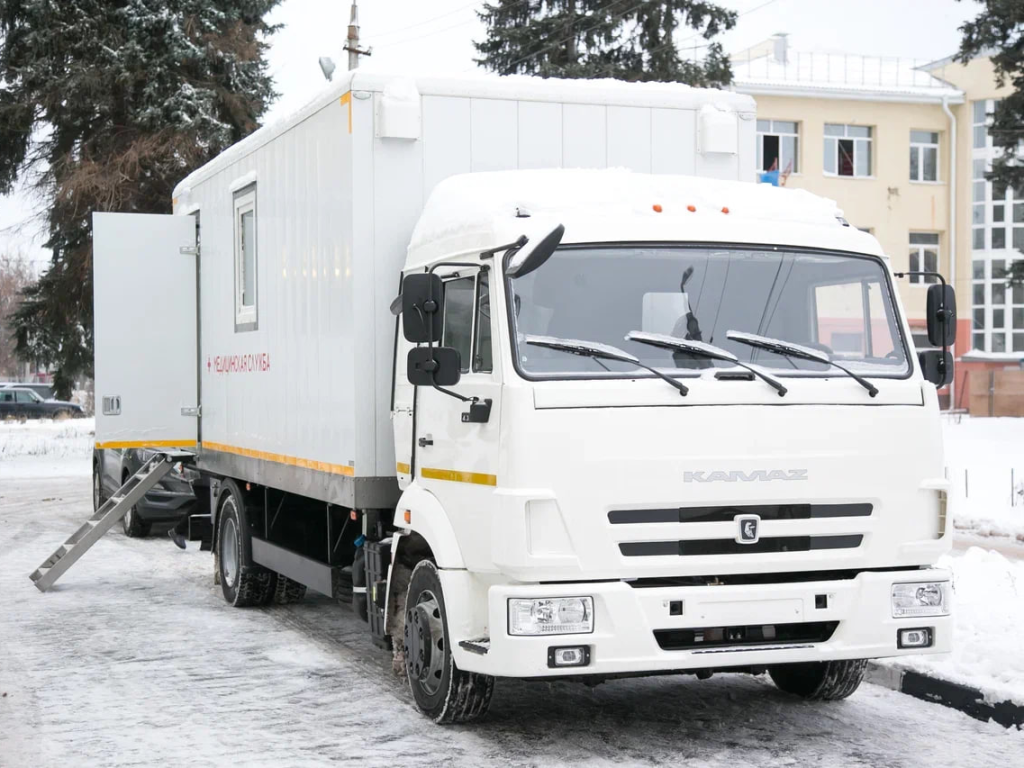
(453,457)
(144,294)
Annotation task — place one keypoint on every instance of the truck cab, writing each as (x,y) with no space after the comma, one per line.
(782,509)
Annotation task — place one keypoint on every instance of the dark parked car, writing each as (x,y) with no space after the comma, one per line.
(168,501)
(23,403)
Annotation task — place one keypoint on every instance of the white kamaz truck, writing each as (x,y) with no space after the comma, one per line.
(533,422)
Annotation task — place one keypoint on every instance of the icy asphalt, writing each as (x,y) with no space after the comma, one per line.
(134,659)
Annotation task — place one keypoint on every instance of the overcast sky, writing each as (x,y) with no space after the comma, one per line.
(437,36)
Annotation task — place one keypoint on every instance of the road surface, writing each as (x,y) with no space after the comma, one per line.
(135,660)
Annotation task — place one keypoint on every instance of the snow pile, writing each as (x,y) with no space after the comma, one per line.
(988,612)
(46,448)
(986,466)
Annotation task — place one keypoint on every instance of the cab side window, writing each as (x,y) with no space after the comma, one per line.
(482,362)
(6,397)
(458,317)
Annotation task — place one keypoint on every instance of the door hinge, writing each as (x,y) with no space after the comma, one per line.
(192,410)
(188,250)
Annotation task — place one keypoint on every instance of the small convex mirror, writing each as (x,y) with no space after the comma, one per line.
(427,366)
(422,307)
(936,366)
(941,300)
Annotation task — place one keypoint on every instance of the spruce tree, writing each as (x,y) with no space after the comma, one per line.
(622,39)
(104,106)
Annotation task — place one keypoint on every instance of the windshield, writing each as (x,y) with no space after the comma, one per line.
(840,304)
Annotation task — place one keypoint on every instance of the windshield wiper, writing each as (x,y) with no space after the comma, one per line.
(789,349)
(596,351)
(700,349)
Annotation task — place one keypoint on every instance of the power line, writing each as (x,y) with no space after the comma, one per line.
(426,34)
(428,21)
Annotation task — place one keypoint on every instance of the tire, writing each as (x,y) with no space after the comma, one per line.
(442,691)
(820,681)
(132,524)
(98,499)
(284,591)
(242,582)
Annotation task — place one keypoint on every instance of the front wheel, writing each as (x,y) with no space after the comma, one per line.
(132,523)
(442,691)
(243,582)
(820,680)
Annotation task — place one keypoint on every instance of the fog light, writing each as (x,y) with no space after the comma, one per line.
(914,638)
(569,656)
(920,599)
(551,616)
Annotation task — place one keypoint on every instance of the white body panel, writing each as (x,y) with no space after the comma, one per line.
(338,196)
(144,298)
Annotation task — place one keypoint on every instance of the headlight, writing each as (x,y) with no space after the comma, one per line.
(929,598)
(551,616)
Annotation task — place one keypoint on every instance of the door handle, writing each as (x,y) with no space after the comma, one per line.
(425,441)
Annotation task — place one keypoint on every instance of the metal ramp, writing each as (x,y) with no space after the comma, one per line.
(113,509)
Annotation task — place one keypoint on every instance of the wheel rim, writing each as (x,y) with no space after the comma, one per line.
(229,552)
(425,651)
(129,519)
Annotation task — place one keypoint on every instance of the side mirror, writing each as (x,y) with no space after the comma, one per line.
(936,365)
(427,366)
(530,256)
(422,307)
(941,307)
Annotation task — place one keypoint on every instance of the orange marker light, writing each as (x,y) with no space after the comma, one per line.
(691,208)
(408,516)
(725,210)
(657,207)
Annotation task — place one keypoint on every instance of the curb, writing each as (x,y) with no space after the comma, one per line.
(962,698)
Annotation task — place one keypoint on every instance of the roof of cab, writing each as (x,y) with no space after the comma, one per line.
(479,211)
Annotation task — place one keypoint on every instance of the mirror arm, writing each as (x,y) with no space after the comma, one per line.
(489,254)
(944,313)
(456,395)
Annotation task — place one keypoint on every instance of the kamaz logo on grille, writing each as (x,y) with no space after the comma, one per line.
(737,476)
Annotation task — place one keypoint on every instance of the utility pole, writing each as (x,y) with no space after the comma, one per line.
(352,42)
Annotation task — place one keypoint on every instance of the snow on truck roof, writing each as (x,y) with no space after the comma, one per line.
(478,211)
(481,86)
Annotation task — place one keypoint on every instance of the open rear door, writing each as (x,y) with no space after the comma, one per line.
(144,298)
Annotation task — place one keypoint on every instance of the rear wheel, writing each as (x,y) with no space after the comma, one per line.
(132,523)
(284,591)
(442,691)
(98,499)
(820,681)
(242,581)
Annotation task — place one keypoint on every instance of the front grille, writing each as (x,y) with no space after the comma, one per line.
(745,636)
(698,547)
(725,514)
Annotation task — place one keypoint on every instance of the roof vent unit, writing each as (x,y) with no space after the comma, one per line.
(719,130)
(398,111)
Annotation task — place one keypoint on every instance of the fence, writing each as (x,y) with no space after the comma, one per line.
(996,393)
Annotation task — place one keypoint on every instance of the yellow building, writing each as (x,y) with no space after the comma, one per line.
(901,145)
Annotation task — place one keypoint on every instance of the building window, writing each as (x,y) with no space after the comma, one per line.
(245,259)
(778,145)
(847,150)
(924,256)
(924,156)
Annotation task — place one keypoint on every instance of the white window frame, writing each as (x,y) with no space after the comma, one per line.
(917,250)
(859,142)
(918,148)
(245,315)
(773,131)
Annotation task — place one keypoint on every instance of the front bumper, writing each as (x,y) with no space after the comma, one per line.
(161,504)
(625,619)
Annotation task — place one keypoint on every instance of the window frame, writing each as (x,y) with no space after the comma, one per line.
(245,201)
(470,366)
(835,140)
(772,131)
(918,250)
(919,148)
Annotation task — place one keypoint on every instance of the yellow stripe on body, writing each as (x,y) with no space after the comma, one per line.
(347,99)
(292,461)
(456,476)
(403,469)
(146,444)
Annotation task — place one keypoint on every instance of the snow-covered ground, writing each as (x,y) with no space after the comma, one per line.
(986,465)
(134,659)
(46,448)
